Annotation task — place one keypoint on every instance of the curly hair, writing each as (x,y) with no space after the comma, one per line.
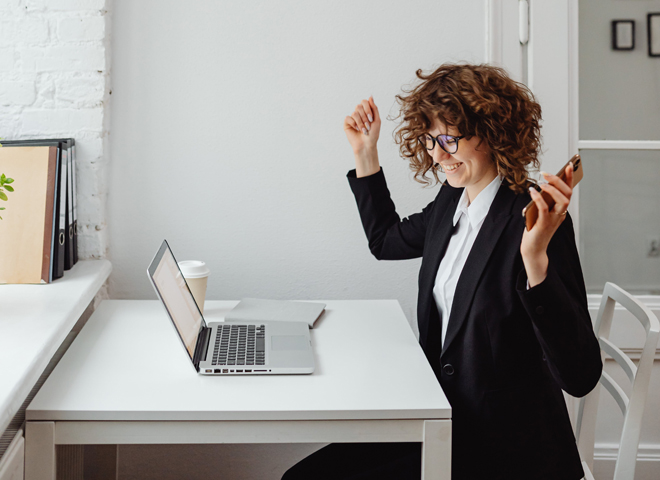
(478,100)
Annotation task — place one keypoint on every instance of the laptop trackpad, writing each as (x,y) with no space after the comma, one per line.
(289,342)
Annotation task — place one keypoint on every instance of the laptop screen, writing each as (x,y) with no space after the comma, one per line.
(175,294)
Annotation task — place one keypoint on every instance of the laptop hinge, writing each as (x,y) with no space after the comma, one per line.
(202,346)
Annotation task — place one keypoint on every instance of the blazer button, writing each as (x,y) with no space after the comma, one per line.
(540,310)
(448,369)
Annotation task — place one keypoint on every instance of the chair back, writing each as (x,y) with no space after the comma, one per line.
(632,407)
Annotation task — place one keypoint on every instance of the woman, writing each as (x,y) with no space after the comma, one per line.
(502,311)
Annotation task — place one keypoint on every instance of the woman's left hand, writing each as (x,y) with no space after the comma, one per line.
(534,245)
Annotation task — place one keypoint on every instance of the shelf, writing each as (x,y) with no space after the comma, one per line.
(34,322)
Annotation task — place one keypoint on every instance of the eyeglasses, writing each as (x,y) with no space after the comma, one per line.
(449,143)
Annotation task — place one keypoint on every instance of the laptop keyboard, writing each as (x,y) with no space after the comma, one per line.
(239,345)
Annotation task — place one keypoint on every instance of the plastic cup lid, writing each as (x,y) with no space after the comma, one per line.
(194,269)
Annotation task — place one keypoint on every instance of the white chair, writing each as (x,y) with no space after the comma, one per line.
(639,376)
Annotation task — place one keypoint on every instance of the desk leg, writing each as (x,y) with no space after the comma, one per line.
(40,451)
(436,450)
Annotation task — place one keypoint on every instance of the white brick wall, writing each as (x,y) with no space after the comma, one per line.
(81,29)
(54,82)
(65,5)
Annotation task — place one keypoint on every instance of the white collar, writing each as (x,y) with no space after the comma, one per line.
(478,209)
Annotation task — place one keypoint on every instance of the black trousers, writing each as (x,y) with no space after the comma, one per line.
(360,461)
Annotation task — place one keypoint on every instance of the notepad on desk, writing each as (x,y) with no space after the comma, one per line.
(261,310)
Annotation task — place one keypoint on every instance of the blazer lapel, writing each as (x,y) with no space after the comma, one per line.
(439,238)
(496,220)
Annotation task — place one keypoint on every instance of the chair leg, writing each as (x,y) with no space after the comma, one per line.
(587,473)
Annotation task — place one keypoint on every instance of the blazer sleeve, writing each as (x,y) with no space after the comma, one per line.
(560,316)
(390,238)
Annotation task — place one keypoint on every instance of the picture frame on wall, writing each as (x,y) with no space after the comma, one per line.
(623,34)
(653,28)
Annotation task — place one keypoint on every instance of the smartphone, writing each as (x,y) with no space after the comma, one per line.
(531,211)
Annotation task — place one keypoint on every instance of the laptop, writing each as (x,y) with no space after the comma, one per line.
(228,348)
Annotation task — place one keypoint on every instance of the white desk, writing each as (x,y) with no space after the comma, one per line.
(110,388)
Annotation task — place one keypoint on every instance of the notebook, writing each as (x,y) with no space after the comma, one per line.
(257,309)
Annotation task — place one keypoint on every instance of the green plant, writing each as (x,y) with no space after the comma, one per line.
(4,184)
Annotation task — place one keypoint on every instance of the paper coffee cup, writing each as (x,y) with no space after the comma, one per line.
(196,274)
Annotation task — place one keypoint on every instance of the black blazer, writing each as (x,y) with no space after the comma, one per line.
(508,351)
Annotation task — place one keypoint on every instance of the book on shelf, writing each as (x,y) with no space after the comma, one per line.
(68,228)
(49,198)
(75,201)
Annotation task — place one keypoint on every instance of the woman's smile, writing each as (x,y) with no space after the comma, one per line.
(451,168)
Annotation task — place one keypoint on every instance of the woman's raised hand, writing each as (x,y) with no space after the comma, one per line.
(535,241)
(362,129)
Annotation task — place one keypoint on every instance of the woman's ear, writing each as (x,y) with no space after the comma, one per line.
(497,164)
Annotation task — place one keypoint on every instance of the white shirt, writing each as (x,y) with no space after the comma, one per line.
(468,220)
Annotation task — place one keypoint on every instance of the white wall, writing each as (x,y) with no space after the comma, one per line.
(227,140)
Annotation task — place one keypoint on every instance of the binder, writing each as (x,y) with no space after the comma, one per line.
(59,213)
(61,216)
(75,200)
(68,228)
(28,223)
